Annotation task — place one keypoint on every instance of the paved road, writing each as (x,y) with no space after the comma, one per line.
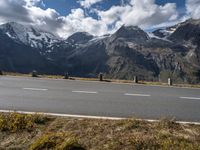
(99,99)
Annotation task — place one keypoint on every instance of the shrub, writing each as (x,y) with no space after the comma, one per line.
(142,143)
(57,141)
(70,144)
(132,123)
(14,122)
(168,124)
(40,119)
(178,143)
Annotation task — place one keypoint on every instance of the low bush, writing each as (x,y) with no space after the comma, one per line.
(40,119)
(14,122)
(56,141)
(168,124)
(130,124)
(177,143)
(142,143)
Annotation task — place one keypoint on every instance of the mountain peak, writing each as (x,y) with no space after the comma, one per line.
(27,34)
(12,26)
(125,27)
(192,21)
(80,37)
(187,31)
(131,33)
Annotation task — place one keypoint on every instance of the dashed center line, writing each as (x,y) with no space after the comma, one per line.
(192,98)
(35,89)
(144,95)
(85,92)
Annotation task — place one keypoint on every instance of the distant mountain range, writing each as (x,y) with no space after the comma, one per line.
(171,52)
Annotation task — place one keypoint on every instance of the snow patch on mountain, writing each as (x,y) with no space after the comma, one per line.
(29,35)
(151,35)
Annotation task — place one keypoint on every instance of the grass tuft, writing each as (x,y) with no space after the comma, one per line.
(15,122)
(57,141)
(60,133)
(168,124)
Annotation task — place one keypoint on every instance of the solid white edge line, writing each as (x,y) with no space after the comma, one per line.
(129,94)
(63,115)
(192,98)
(35,89)
(89,117)
(85,92)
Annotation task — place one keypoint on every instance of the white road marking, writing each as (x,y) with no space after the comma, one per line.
(192,98)
(85,92)
(88,117)
(144,95)
(35,89)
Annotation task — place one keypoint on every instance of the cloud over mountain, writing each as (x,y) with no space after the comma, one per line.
(193,8)
(139,12)
(144,13)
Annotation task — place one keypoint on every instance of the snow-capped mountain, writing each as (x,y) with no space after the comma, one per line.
(171,52)
(29,35)
(164,33)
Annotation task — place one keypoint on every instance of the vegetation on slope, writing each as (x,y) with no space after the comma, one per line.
(36,132)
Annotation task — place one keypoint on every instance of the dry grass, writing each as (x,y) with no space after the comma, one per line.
(105,80)
(16,74)
(93,134)
(58,141)
(15,122)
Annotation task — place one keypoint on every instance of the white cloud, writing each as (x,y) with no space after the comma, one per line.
(144,13)
(193,8)
(32,2)
(78,21)
(25,12)
(88,3)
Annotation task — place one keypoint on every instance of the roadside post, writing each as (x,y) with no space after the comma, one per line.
(34,73)
(169,81)
(1,72)
(66,76)
(135,79)
(101,77)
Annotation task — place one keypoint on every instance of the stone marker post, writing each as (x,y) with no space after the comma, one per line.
(100,76)
(169,81)
(34,73)
(66,75)
(135,79)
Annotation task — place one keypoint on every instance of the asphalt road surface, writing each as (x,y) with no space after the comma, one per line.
(99,99)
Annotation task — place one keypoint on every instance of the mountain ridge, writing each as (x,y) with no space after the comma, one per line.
(128,52)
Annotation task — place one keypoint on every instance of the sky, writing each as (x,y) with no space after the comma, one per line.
(97,17)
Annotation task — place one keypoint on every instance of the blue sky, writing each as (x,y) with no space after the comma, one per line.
(64,6)
(97,17)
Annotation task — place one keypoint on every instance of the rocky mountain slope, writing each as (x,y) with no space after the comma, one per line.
(171,52)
